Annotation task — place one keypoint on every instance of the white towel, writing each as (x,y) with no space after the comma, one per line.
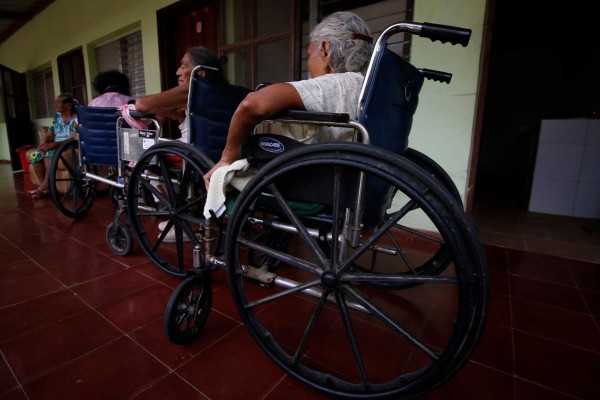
(236,175)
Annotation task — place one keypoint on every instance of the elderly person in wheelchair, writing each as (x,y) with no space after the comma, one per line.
(361,254)
(338,56)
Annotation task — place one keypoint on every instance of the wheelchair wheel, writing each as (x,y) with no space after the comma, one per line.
(275,240)
(119,238)
(188,309)
(178,193)
(349,320)
(434,170)
(72,193)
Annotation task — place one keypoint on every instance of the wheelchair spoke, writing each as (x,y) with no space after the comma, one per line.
(310,328)
(419,233)
(383,316)
(282,294)
(339,297)
(396,279)
(376,236)
(289,259)
(399,250)
(301,229)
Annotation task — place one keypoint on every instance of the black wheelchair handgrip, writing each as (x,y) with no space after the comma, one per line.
(434,75)
(303,115)
(446,33)
(137,114)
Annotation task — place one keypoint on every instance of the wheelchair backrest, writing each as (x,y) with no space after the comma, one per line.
(389,98)
(97,135)
(210,108)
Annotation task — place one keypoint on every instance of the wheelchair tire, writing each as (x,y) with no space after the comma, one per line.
(335,328)
(434,169)
(180,196)
(188,309)
(72,193)
(119,238)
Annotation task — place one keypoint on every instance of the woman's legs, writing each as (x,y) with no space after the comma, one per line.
(41,169)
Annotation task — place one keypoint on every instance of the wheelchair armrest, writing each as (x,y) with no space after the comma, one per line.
(302,115)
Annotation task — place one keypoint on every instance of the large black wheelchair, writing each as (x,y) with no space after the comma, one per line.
(101,155)
(353,265)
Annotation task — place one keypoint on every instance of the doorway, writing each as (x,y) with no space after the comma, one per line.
(544,64)
(19,126)
(180,26)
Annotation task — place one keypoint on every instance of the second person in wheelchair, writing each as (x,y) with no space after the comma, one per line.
(172,103)
(338,56)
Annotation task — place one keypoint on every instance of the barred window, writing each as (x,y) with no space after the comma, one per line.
(126,55)
(43,88)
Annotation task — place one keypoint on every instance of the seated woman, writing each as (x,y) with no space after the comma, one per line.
(64,127)
(338,56)
(114,89)
(172,103)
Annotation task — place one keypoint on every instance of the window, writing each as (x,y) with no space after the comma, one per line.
(72,75)
(258,41)
(126,55)
(43,88)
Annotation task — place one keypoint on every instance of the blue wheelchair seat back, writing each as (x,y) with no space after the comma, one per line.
(210,108)
(389,99)
(98,135)
(390,96)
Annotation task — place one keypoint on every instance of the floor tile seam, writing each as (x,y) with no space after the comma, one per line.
(95,308)
(170,369)
(170,372)
(12,372)
(560,342)
(574,286)
(490,367)
(46,326)
(553,306)
(223,337)
(284,375)
(70,288)
(56,367)
(227,316)
(547,387)
(32,298)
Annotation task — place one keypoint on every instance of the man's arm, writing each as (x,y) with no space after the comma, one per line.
(255,108)
(162,103)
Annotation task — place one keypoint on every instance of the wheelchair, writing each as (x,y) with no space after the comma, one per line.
(352,264)
(101,155)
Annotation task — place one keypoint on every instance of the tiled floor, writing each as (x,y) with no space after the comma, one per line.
(77,322)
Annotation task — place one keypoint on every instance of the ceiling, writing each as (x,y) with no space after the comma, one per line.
(16,13)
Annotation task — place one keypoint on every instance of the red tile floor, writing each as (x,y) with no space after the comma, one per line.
(77,322)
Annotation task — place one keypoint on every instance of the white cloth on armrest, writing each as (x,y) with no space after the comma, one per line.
(235,175)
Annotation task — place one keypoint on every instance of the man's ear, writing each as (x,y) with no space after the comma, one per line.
(202,73)
(325,48)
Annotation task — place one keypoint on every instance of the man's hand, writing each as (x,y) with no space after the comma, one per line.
(207,176)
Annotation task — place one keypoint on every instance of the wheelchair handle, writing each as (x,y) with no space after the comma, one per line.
(443,33)
(434,75)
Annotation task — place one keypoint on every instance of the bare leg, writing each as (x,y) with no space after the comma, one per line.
(44,185)
(40,171)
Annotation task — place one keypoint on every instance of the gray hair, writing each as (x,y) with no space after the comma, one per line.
(349,45)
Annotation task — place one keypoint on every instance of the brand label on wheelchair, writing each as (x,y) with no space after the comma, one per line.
(147,134)
(271,145)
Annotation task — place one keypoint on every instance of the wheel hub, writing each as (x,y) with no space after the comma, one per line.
(329,280)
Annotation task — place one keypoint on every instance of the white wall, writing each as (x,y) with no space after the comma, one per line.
(444,123)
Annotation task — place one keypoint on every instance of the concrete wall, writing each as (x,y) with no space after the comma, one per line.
(66,25)
(444,123)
